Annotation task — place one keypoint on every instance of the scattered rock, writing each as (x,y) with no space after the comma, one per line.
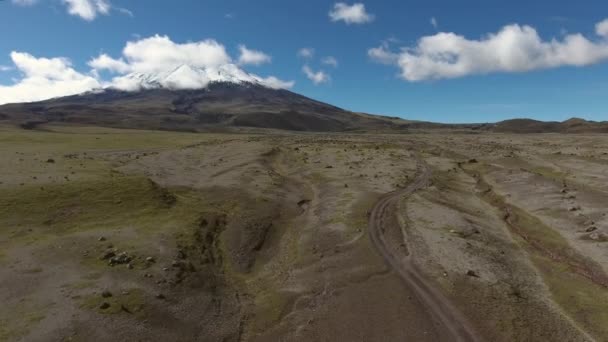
(150,260)
(104,306)
(50,160)
(101,238)
(473,161)
(598,236)
(181,254)
(574,208)
(130,266)
(106,294)
(121,259)
(471,273)
(591,229)
(108,255)
(160,296)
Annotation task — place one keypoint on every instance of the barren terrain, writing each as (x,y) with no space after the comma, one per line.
(125,235)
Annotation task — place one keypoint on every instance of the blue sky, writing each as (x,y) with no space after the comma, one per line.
(547,89)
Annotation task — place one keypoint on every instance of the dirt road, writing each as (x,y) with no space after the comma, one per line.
(452,325)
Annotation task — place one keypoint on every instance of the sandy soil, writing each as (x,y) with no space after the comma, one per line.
(112,235)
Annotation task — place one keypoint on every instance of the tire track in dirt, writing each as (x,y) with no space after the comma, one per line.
(383,214)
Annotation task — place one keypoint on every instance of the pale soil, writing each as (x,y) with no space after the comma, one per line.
(261,237)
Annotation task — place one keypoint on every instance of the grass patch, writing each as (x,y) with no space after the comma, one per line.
(564,271)
(581,299)
(132,301)
(105,203)
(23,319)
(65,139)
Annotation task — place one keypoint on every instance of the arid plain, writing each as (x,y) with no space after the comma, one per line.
(131,235)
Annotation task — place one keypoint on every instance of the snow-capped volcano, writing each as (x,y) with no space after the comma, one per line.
(185,77)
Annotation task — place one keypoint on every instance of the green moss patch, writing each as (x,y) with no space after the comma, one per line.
(131,301)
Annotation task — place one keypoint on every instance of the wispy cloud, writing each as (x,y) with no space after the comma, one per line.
(434,23)
(306,53)
(24,2)
(124,11)
(330,60)
(317,77)
(88,10)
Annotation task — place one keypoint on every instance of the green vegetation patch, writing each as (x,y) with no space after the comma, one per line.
(562,268)
(105,203)
(23,318)
(131,301)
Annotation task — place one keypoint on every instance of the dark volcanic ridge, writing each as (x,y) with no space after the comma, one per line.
(224,105)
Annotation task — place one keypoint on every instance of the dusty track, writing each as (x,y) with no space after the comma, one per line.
(452,325)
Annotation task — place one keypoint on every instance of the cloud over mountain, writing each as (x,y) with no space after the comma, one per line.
(150,62)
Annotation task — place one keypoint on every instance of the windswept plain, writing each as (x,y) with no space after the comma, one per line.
(109,234)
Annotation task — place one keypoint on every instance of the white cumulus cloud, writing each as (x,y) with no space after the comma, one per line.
(514,48)
(317,77)
(350,14)
(88,9)
(44,78)
(105,62)
(252,57)
(160,53)
(601,28)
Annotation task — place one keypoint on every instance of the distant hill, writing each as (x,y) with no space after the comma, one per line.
(574,125)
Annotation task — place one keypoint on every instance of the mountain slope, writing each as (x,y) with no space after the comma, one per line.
(220,104)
